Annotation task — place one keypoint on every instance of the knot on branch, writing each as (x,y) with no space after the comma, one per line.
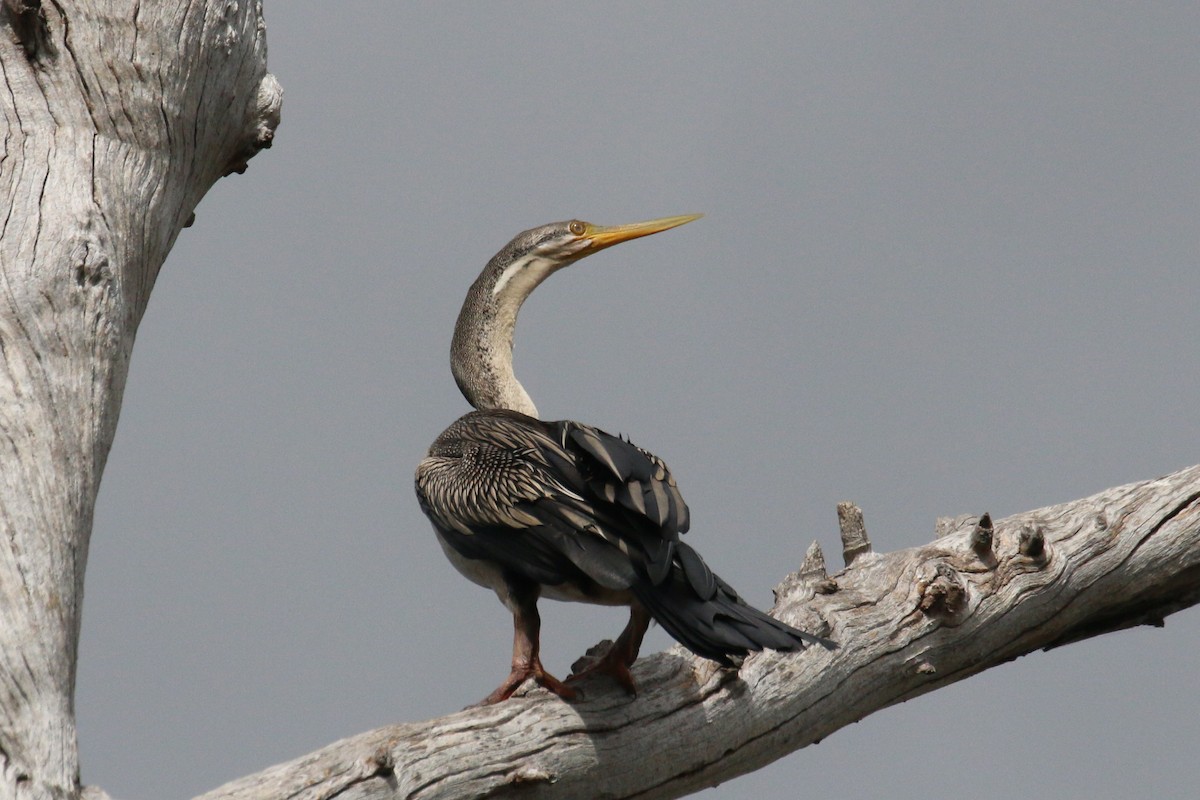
(945,595)
(855,543)
(813,571)
(982,535)
(381,763)
(812,578)
(92,266)
(27,19)
(529,774)
(267,108)
(591,656)
(261,124)
(1032,542)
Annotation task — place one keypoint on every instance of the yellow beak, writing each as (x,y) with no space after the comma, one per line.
(602,236)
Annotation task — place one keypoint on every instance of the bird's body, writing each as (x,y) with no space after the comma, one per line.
(531,508)
(519,499)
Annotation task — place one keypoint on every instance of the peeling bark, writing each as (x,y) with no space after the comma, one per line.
(116,118)
(908,622)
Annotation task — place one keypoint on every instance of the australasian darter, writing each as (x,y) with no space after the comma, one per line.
(563,510)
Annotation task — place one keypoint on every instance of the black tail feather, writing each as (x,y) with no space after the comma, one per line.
(720,626)
(701,578)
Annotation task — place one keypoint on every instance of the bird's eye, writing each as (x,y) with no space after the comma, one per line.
(576,227)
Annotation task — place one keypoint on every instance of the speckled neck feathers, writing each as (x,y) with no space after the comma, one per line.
(481,354)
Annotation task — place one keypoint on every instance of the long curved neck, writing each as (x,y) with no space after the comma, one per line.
(481,354)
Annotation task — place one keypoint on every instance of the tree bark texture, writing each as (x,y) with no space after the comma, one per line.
(116,117)
(908,622)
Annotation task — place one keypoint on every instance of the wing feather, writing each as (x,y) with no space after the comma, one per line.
(609,508)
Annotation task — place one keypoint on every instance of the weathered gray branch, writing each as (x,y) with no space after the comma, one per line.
(116,117)
(909,622)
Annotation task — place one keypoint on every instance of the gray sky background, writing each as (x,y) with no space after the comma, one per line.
(948,265)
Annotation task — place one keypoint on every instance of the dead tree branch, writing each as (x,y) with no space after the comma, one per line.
(983,593)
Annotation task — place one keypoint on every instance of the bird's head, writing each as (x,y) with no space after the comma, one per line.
(535,254)
(481,352)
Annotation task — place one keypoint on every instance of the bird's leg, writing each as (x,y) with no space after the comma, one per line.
(624,651)
(527,624)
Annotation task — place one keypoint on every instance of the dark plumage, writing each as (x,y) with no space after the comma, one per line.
(560,509)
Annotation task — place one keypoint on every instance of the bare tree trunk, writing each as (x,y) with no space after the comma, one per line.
(908,622)
(117,116)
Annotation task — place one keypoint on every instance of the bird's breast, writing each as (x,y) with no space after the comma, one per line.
(593,593)
(489,575)
(484,573)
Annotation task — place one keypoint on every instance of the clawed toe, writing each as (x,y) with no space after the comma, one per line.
(523,673)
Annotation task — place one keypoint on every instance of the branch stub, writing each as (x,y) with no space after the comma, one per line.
(855,543)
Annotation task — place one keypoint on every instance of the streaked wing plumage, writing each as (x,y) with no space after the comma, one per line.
(519,491)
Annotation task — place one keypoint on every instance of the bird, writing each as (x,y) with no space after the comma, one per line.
(563,510)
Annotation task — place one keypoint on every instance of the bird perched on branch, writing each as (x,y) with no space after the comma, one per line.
(563,510)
